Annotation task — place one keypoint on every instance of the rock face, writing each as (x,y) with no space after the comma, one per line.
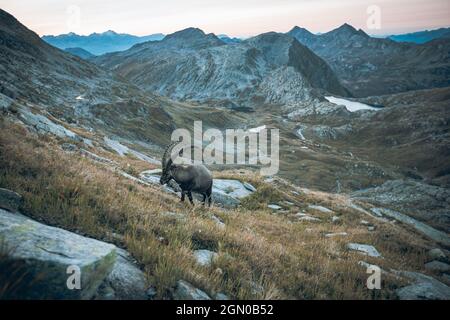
(423,288)
(50,255)
(186,291)
(48,252)
(10,200)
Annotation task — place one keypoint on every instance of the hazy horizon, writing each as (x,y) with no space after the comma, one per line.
(234,18)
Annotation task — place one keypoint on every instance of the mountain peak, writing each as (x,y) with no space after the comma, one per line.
(187,33)
(192,37)
(298,29)
(346,28)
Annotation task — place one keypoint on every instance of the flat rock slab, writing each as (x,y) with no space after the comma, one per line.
(186,291)
(10,200)
(48,252)
(274,206)
(432,233)
(320,208)
(423,288)
(337,234)
(309,218)
(364,249)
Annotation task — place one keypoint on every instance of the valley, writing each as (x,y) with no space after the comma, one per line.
(364,163)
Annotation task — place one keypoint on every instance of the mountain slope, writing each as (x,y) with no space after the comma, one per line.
(190,65)
(422,36)
(373,66)
(80,52)
(99,43)
(35,74)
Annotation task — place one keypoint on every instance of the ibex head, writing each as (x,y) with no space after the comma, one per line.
(167,164)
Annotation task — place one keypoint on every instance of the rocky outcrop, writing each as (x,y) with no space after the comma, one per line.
(52,259)
(423,288)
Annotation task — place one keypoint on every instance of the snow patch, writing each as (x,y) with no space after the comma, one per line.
(351,106)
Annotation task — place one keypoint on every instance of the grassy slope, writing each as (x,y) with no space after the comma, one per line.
(289,259)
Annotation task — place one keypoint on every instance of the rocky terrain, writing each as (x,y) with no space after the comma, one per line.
(370,66)
(362,181)
(189,65)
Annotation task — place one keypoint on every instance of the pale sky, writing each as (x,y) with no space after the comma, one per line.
(233,17)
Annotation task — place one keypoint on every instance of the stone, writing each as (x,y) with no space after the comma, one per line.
(309,218)
(437,266)
(249,187)
(364,222)
(337,234)
(274,206)
(370,228)
(186,291)
(335,219)
(436,254)
(228,192)
(320,208)
(364,249)
(48,252)
(10,200)
(204,257)
(423,288)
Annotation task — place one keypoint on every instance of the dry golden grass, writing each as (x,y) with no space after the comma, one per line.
(261,255)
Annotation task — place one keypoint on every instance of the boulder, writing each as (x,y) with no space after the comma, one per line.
(204,257)
(50,255)
(228,192)
(437,254)
(186,291)
(364,249)
(423,288)
(10,200)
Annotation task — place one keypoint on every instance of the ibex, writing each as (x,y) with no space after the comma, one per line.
(190,178)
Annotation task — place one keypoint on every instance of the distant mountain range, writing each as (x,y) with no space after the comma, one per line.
(271,68)
(99,43)
(374,66)
(422,36)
